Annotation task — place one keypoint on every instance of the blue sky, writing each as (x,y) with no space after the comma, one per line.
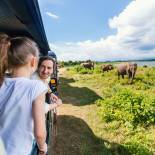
(101,29)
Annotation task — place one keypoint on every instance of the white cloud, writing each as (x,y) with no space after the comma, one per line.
(135,37)
(54,16)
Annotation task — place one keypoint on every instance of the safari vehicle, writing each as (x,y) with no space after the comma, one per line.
(23,18)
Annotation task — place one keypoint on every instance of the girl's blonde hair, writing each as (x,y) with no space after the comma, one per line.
(14,52)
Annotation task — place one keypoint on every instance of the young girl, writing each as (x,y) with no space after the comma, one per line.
(22,113)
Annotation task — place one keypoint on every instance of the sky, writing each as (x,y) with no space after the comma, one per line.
(100,30)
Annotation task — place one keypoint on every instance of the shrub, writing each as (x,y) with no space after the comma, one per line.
(81,70)
(98,69)
(137,149)
(128,107)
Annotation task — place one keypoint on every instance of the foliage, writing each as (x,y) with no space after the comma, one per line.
(69,63)
(81,70)
(137,148)
(125,109)
(129,107)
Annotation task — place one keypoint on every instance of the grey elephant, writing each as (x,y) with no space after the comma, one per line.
(107,67)
(89,65)
(127,69)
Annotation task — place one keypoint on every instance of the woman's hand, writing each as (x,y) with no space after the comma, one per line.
(43,151)
(59,102)
(55,104)
(54,98)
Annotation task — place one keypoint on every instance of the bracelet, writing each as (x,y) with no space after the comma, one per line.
(49,91)
(41,152)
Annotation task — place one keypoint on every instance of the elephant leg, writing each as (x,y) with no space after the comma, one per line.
(118,76)
(123,76)
(131,75)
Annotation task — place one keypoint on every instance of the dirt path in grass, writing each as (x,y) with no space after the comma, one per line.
(74,135)
(80,131)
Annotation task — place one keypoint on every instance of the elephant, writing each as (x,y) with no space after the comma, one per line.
(107,67)
(127,69)
(145,66)
(89,65)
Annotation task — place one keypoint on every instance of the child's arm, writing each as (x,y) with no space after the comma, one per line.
(38,112)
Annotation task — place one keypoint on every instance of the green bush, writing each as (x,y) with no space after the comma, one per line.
(69,63)
(128,107)
(136,148)
(81,70)
(98,70)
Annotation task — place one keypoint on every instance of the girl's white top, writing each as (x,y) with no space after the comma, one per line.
(16,122)
(2,151)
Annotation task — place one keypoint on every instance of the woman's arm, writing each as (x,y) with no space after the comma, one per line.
(38,111)
(49,107)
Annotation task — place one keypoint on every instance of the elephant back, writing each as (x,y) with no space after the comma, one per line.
(121,68)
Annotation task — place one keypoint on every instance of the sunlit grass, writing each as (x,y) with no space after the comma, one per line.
(117,137)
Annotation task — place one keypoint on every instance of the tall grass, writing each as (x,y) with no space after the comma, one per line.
(125,109)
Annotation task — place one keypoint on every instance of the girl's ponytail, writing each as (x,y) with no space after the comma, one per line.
(4,47)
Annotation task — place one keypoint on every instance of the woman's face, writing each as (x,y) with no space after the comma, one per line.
(46,69)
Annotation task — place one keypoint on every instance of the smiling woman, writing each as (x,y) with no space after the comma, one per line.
(45,67)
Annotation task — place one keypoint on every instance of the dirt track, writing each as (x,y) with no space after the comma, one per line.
(74,136)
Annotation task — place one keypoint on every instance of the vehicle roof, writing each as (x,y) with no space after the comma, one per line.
(52,54)
(22,17)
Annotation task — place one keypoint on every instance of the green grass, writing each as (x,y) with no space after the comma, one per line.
(85,88)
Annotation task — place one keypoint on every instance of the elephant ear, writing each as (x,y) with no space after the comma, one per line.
(128,66)
(132,67)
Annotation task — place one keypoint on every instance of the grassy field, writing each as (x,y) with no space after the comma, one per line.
(89,97)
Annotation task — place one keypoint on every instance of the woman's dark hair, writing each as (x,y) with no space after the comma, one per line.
(43,58)
(14,52)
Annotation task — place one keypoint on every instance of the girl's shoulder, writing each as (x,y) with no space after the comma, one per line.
(24,82)
(37,88)
(37,82)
